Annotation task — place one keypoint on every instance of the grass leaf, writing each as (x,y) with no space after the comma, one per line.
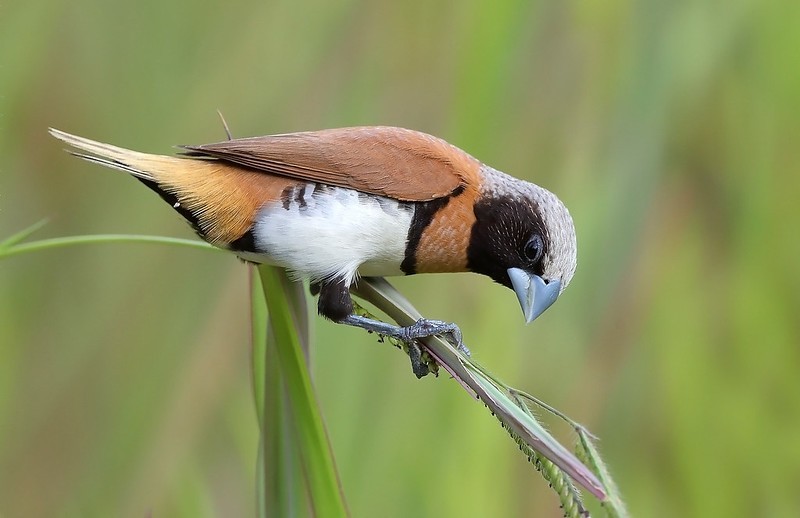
(519,421)
(16,248)
(23,234)
(307,425)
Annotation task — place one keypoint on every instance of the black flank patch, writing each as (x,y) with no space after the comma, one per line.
(300,196)
(423,215)
(245,243)
(286,197)
(175,204)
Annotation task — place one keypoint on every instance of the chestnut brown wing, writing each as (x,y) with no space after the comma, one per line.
(398,163)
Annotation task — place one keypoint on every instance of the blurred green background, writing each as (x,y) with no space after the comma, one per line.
(670,129)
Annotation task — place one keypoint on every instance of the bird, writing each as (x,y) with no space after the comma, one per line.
(333,205)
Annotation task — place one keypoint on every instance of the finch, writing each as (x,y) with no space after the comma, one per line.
(336,204)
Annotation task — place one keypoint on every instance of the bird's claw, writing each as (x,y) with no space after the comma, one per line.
(409,335)
(418,367)
(424,328)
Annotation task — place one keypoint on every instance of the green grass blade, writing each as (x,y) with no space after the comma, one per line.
(587,452)
(60,242)
(258,335)
(262,507)
(22,235)
(518,421)
(265,498)
(309,431)
(279,490)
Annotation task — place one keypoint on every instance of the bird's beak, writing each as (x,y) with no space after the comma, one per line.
(533,293)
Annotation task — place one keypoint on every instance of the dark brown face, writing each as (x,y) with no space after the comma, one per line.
(508,233)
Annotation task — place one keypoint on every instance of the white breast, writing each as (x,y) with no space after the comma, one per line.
(322,232)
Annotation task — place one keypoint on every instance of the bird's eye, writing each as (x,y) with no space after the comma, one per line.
(534,248)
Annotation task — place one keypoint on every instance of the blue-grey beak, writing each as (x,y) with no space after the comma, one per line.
(533,293)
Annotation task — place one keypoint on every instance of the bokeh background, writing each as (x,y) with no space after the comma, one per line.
(670,129)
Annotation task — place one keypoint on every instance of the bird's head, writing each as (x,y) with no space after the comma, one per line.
(523,238)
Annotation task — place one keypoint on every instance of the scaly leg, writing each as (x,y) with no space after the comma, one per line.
(336,304)
(420,329)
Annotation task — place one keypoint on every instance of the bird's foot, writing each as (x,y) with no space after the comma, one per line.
(418,366)
(422,328)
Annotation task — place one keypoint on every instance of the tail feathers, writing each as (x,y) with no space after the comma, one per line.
(219,200)
(140,165)
(103,154)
